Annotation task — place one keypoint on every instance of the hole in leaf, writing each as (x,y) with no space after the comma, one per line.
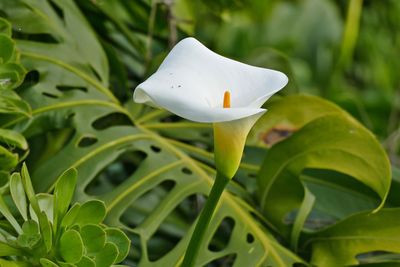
(206,134)
(171,118)
(146,203)
(70,116)
(252,175)
(110,120)
(222,235)
(49,95)
(249,238)
(155,148)
(225,261)
(316,220)
(135,252)
(31,78)
(65,88)
(36,37)
(368,257)
(116,172)
(57,9)
(187,171)
(87,141)
(46,142)
(95,73)
(168,235)
(277,134)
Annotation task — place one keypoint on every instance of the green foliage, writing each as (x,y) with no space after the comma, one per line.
(11,72)
(355,236)
(313,182)
(79,239)
(13,145)
(322,137)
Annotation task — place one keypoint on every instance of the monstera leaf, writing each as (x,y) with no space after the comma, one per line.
(335,167)
(355,239)
(149,184)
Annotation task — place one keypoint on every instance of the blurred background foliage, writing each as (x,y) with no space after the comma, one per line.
(345,51)
(81,60)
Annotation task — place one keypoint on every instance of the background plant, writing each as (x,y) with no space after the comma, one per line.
(154,170)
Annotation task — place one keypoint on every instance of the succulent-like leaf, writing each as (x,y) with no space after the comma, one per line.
(18,194)
(63,193)
(71,246)
(90,212)
(47,263)
(118,238)
(86,262)
(7,250)
(69,218)
(93,237)
(12,104)
(13,138)
(8,160)
(11,72)
(5,211)
(107,256)
(30,235)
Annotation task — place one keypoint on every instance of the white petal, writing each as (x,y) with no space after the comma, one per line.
(192,80)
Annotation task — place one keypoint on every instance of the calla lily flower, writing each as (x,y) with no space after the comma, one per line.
(199,85)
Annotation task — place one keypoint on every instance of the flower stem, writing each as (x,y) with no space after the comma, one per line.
(204,220)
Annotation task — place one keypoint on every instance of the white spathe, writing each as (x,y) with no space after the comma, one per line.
(191,83)
(192,80)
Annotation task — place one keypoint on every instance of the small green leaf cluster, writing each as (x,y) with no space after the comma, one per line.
(12,144)
(11,72)
(51,233)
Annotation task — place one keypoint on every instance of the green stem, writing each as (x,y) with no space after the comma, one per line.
(204,220)
(350,33)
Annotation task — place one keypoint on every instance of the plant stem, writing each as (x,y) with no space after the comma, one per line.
(350,33)
(204,220)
